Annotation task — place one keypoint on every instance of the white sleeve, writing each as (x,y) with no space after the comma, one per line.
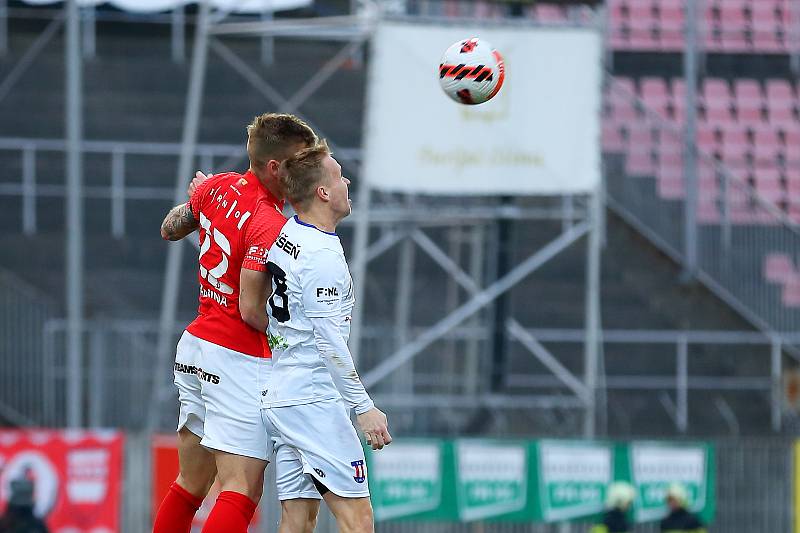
(336,355)
(324,280)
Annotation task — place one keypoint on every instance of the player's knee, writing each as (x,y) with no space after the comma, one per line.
(250,488)
(311,521)
(360,520)
(196,485)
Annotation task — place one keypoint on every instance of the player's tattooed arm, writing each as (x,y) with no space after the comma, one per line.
(178,223)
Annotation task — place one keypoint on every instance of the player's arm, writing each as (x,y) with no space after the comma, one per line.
(336,355)
(255,282)
(323,291)
(179,222)
(254,289)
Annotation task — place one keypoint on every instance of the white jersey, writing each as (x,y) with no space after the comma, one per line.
(310,279)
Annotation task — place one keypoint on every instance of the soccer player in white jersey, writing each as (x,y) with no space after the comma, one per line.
(309,325)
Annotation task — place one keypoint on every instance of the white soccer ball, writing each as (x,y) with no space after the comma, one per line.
(471,71)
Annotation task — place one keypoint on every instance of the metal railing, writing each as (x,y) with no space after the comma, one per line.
(119,188)
(678,372)
(24,312)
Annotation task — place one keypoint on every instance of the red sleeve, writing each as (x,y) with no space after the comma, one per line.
(259,236)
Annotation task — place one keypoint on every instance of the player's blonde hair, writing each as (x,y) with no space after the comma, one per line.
(274,136)
(302,173)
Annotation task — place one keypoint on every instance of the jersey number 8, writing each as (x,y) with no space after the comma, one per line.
(279,308)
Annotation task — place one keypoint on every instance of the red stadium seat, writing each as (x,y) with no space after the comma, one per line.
(748,100)
(549,13)
(779,90)
(655,95)
(766,145)
(708,213)
(671,26)
(612,139)
(769,187)
(639,164)
(778,268)
(708,138)
(791,292)
(670,186)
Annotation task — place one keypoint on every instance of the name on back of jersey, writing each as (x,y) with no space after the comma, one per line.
(222,201)
(283,243)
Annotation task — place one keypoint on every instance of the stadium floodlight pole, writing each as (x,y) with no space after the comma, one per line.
(74,216)
(689,152)
(191,124)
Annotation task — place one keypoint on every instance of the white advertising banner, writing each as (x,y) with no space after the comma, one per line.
(151,6)
(539,136)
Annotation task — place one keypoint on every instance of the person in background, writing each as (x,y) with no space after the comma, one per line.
(19,517)
(619,498)
(679,519)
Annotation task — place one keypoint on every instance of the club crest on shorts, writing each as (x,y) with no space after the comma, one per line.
(361,473)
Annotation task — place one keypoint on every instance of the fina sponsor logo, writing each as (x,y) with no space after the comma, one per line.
(193,370)
(327,292)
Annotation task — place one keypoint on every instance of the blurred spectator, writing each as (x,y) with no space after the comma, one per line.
(679,519)
(19,517)
(619,499)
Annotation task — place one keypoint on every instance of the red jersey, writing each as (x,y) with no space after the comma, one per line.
(239,221)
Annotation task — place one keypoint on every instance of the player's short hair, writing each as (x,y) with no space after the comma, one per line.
(273,136)
(302,173)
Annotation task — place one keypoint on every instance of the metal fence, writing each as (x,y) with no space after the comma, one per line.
(696,383)
(23,313)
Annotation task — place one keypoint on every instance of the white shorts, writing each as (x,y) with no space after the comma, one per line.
(322,437)
(220,401)
(220,394)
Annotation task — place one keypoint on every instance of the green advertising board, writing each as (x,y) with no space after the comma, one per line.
(535,481)
(654,466)
(572,478)
(491,479)
(407,481)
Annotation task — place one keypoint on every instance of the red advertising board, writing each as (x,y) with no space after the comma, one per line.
(77,476)
(165,470)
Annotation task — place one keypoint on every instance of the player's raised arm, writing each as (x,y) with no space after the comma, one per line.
(178,223)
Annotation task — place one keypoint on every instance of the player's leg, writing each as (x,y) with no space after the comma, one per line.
(299,497)
(299,515)
(322,436)
(234,431)
(353,515)
(241,483)
(197,467)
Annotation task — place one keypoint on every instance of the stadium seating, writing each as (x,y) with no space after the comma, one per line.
(728,26)
(752,128)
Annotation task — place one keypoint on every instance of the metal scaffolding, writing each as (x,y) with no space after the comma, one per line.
(374,211)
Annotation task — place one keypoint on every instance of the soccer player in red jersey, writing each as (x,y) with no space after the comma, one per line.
(223,361)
